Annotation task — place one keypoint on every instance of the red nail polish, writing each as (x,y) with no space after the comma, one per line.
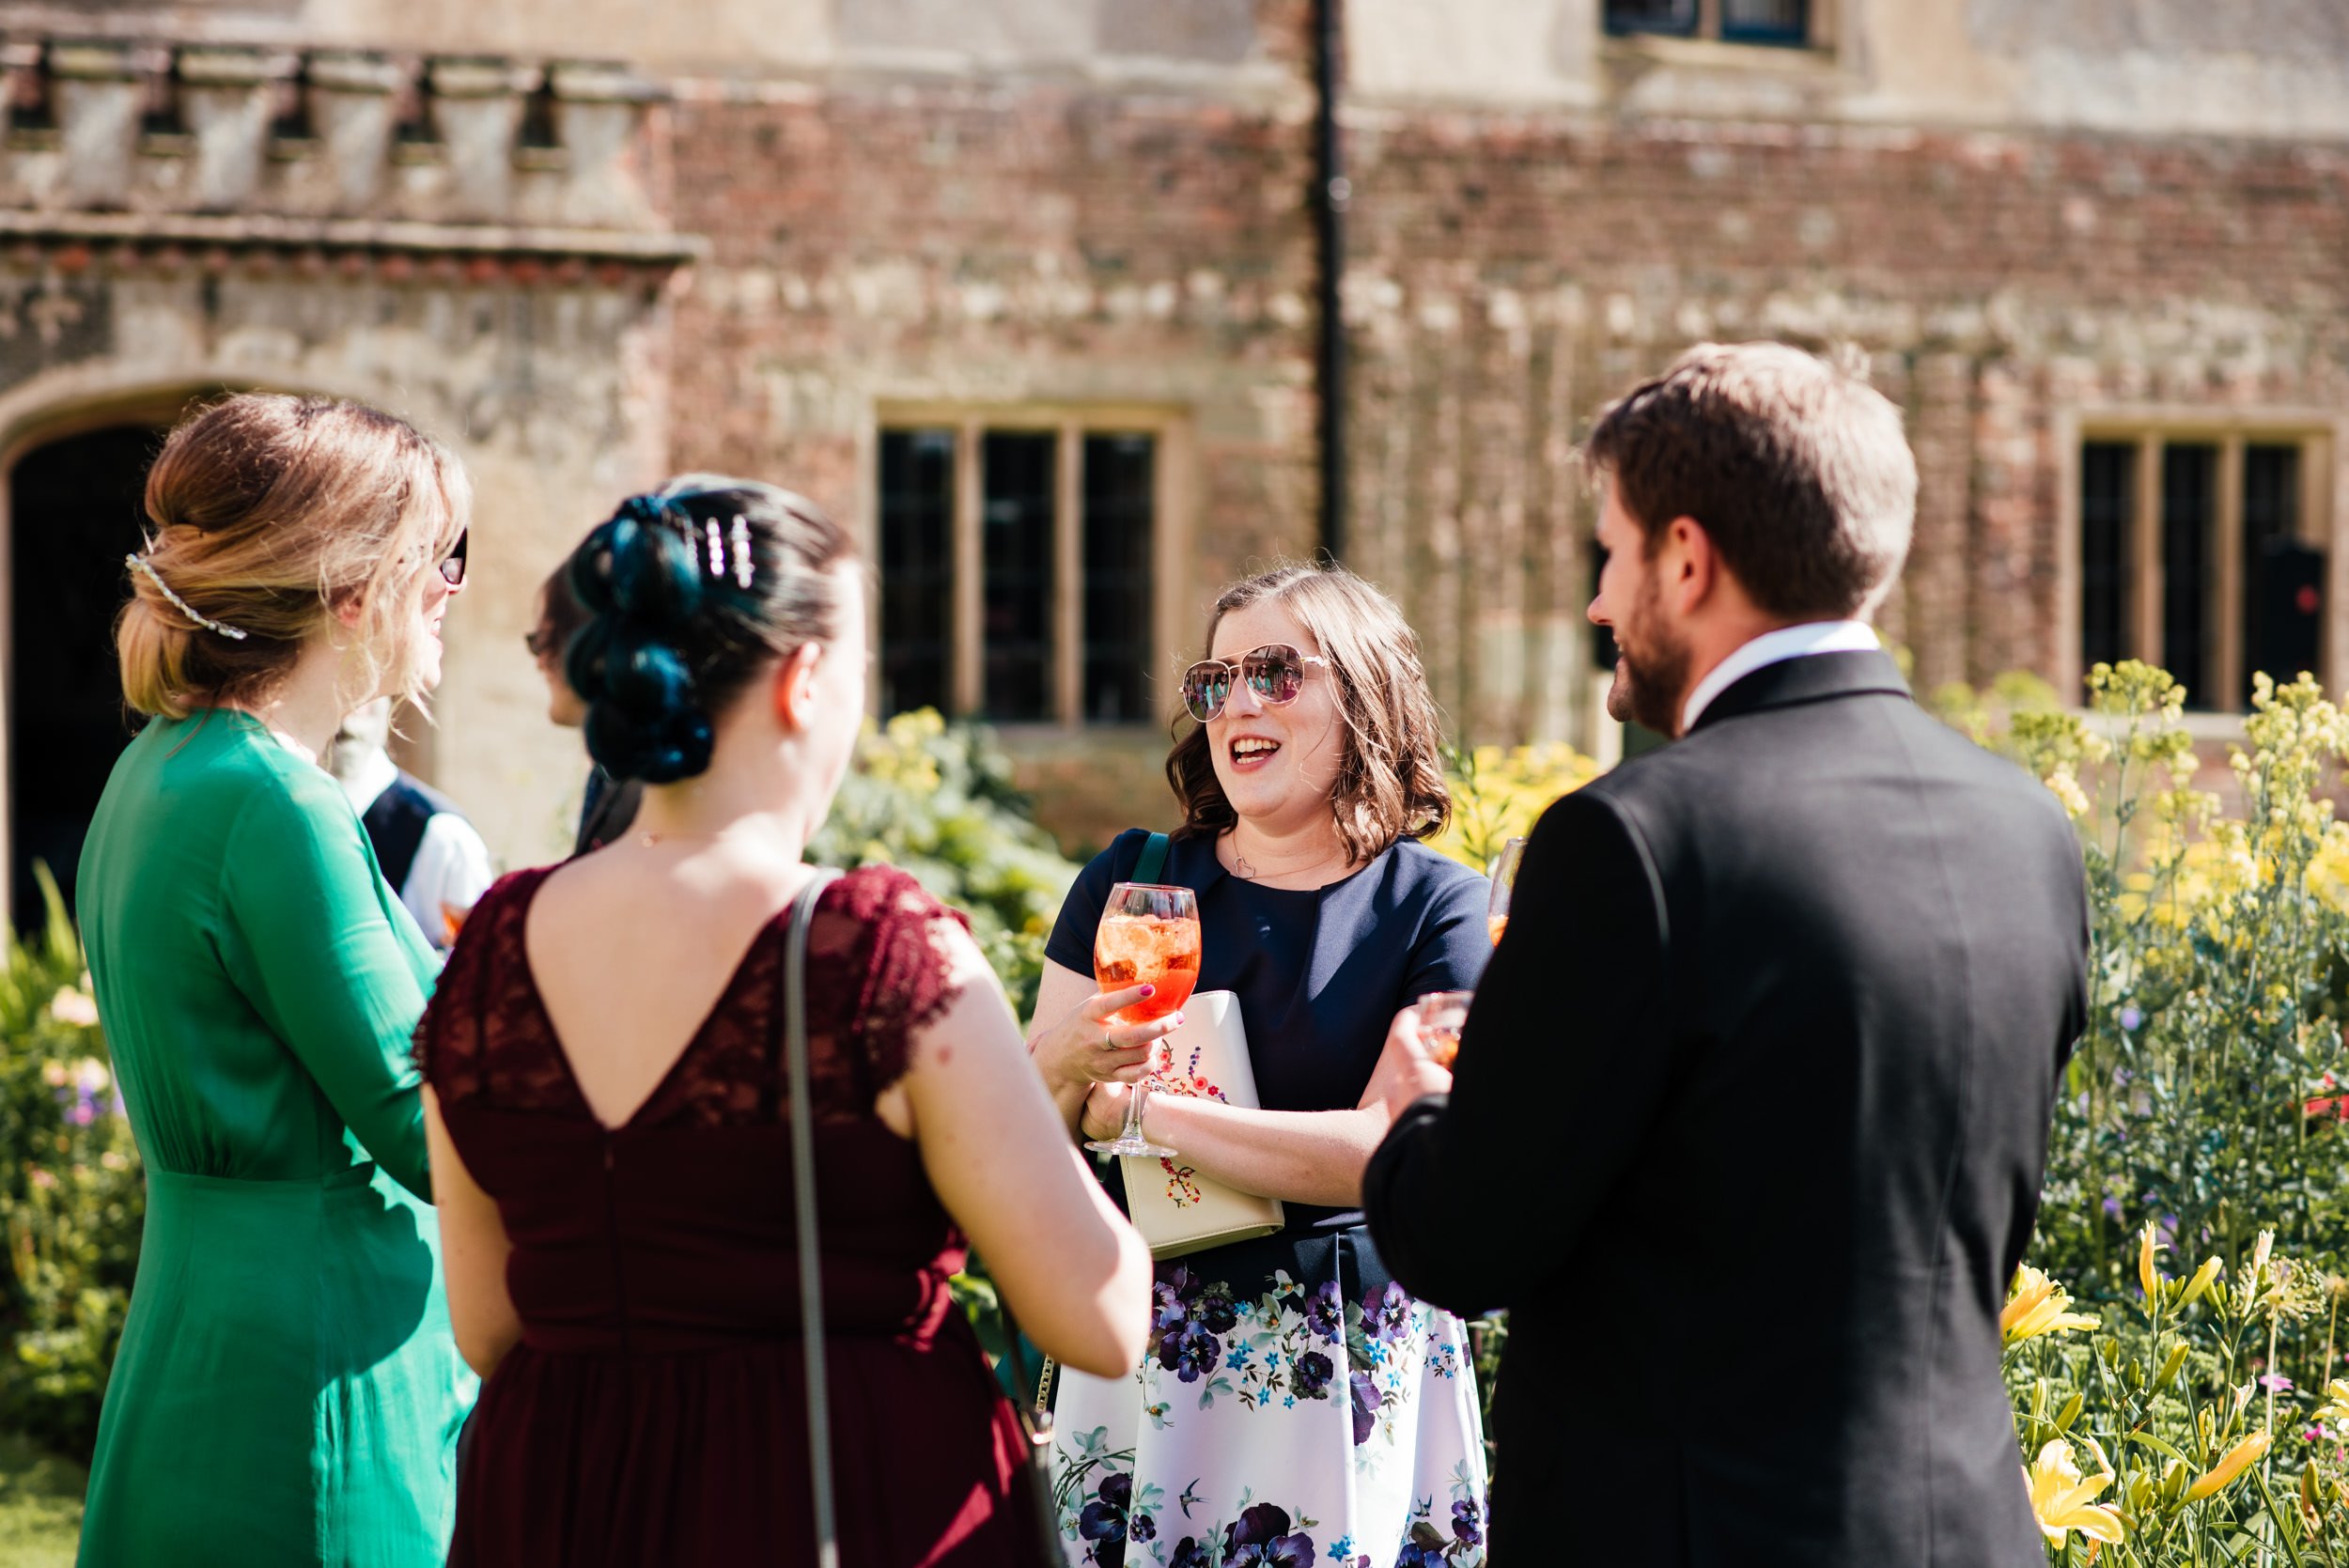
(1149,991)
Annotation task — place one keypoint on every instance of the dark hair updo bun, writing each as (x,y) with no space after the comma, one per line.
(690,591)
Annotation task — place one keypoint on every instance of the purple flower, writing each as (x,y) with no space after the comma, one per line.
(1261,1538)
(1105,1520)
(1420,1554)
(1365,1406)
(1217,1311)
(2131,1018)
(1140,1527)
(1387,1313)
(1167,1311)
(1322,1315)
(1189,1553)
(1467,1525)
(2112,1207)
(1313,1373)
(1189,1352)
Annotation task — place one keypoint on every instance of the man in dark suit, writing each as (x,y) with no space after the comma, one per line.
(1752,1106)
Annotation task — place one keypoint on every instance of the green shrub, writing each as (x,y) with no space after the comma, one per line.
(71,1195)
(936,800)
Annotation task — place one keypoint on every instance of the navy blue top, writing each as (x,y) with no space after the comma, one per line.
(1319,973)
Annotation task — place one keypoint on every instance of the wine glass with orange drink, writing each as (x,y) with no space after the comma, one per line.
(1148,935)
(1504,880)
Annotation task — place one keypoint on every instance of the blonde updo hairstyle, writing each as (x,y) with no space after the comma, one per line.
(271,514)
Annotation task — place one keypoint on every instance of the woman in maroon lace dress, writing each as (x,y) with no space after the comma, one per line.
(610,1139)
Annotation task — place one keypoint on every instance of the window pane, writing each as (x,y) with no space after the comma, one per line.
(2190,474)
(2107,510)
(1016,520)
(1651,16)
(1766,21)
(1119,471)
(2282,578)
(917,508)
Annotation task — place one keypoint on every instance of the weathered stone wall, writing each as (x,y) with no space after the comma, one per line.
(532,385)
(996,248)
(176,220)
(1512,274)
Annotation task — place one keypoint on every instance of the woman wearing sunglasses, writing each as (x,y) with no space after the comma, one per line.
(1293,1399)
(288,1390)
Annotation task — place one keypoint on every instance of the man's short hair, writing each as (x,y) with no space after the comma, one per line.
(1799,471)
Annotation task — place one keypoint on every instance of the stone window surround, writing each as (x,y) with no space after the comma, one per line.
(2319,434)
(1171,536)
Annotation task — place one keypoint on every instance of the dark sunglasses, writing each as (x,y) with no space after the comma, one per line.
(1275,672)
(540,641)
(452,569)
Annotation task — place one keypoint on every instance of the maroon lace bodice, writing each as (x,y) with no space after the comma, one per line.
(655,1408)
(875,973)
(674,1231)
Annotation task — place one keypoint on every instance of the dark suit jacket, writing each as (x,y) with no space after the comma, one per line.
(1747,1134)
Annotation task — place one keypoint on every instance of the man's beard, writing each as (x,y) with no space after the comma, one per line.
(1652,681)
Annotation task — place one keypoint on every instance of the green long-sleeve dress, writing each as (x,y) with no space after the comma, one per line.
(288,1390)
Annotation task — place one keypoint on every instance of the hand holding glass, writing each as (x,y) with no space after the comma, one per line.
(1149,935)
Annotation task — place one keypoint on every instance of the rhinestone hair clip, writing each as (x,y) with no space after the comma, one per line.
(140,562)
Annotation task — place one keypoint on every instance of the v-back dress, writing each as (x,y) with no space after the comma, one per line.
(655,1410)
(288,1392)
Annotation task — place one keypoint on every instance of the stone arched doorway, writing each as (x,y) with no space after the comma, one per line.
(73,513)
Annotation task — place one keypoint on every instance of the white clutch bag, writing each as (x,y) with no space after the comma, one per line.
(1177,1210)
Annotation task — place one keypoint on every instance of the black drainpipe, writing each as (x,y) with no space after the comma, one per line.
(1331,191)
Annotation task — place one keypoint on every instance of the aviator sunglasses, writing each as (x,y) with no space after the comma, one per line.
(1275,672)
(452,569)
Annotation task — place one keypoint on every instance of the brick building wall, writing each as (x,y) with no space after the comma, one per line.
(1510,272)
(2028,217)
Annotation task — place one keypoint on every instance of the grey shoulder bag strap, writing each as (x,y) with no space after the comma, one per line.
(803,1200)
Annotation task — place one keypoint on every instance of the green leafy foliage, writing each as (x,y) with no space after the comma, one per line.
(937,801)
(71,1195)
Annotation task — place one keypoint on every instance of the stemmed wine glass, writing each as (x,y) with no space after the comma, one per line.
(1149,935)
(1503,873)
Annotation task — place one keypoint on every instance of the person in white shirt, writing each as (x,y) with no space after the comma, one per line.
(429,854)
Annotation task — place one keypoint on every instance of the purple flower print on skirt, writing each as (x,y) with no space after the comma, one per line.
(1261,1538)
(1366,1407)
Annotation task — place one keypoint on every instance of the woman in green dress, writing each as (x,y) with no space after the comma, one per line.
(288,1390)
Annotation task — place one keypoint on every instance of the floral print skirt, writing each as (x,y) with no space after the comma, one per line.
(1295,1408)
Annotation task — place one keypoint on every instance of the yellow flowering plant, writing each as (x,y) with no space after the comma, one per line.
(2208,1092)
(2190,1448)
(1499,793)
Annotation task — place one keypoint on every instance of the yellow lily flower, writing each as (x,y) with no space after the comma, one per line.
(2038,1306)
(2336,1406)
(2260,1247)
(2203,1279)
(2061,1500)
(2232,1463)
(2147,1275)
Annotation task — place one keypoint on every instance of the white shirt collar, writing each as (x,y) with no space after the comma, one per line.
(1775,647)
(370,776)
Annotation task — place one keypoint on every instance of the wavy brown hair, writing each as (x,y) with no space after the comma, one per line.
(1391,778)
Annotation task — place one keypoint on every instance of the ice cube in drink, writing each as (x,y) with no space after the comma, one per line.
(1147,950)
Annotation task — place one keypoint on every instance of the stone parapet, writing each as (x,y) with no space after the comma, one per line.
(156,129)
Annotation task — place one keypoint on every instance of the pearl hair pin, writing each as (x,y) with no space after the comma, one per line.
(140,562)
